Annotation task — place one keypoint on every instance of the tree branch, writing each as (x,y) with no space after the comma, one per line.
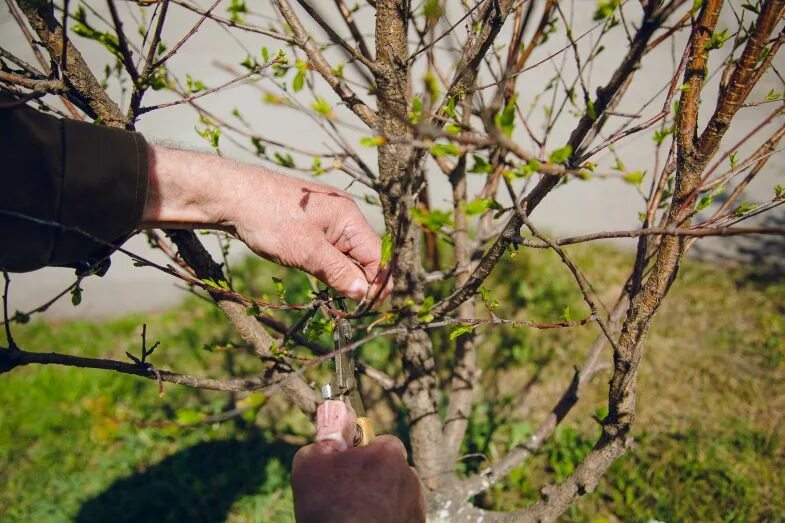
(320,64)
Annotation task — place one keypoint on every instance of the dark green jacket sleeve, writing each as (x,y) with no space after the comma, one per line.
(91,180)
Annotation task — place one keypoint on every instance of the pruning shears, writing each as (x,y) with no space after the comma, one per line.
(343,385)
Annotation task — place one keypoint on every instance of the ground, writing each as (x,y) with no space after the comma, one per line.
(90,445)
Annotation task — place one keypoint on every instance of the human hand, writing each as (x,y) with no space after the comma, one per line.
(373,483)
(297,223)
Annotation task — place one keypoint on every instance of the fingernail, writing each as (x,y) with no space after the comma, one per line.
(358,289)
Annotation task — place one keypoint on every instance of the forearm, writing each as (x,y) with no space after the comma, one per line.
(190,190)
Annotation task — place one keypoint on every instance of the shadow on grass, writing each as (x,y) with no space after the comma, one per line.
(199,483)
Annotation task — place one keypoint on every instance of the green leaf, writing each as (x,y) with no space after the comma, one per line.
(316,167)
(506,119)
(749,6)
(461,329)
(416,113)
(84,29)
(773,96)
(566,315)
(485,294)
(236,9)
(319,326)
(284,160)
(744,208)
(194,86)
(424,310)
(338,70)
(660,135)
(432,220)
(442,149)
(371,199)
(704,202)
(431,85)
(779,191)
(481,205)
(717,40)
(635,177)
(299,80)
(387,250)
(259,146)
(372,141)
(560,155)
(432,9)
(481,165)
(211,134)
(605,9)
(280,289)
(159,79)
(732,158)
(321,106)
(590,111)
(221,285)
(250,63)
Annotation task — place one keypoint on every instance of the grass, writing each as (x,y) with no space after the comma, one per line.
(89,445)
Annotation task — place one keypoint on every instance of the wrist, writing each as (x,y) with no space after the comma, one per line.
(186,190)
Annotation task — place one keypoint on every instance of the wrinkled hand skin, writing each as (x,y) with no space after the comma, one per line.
(293,222)
(371,484)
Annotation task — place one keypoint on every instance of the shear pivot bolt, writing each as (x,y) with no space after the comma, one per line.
(327,392)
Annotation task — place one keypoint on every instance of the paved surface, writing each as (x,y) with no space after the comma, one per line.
(577,207)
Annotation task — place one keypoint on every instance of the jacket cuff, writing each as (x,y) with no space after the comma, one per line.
(104,190)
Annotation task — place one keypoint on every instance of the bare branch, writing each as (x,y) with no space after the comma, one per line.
(303,40)
(10,360)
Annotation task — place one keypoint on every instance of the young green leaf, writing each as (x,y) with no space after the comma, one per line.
(194,86)
(372,141)
(432,220)
(321,106)
(605,9)
(387,250)
(506,119)
(461,329)
(635,177)
(284,160)
(442,149)
(237,9)
(280,289)
(560,155)
(481,165)
(744,208)
(481,205)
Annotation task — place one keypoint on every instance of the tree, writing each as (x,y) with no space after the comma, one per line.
(442,93)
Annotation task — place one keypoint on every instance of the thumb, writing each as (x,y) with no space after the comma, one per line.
(337,270)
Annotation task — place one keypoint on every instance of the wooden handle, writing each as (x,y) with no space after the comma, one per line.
(365,433)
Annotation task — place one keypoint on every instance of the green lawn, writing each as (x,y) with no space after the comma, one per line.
(90,445)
